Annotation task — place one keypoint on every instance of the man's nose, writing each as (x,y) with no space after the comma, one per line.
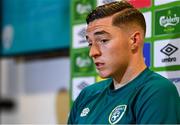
(94,51)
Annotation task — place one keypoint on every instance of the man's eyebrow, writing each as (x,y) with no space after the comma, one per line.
(98,33)
(101,32)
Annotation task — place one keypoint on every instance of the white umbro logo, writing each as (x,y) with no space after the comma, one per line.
(84,112)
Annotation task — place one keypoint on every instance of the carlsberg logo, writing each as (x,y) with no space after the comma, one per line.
(168,21)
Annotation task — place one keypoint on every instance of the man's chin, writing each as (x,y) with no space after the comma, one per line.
(103,75)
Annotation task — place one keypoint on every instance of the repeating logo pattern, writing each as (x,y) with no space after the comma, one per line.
(169,49)
(79,83)
(82,85)
(79,39)
(82,63)
(168,21)
(166,52)
(81,8)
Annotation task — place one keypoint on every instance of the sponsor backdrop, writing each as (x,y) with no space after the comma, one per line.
(161,48)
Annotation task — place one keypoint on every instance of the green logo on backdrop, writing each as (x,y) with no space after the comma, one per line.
(83,63)
(167,21)
(82,8)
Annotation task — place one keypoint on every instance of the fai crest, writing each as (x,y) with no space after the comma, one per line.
(117,113)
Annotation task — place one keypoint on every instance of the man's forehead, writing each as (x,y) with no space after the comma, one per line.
(99,24)
(99,28)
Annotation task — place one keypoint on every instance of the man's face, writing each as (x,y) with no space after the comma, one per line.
(109,47)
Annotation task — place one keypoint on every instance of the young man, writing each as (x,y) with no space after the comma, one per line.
(133,94)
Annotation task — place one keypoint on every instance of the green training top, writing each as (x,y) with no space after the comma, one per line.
(148,99)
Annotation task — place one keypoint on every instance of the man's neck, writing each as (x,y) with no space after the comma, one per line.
(119,85)
(130,73)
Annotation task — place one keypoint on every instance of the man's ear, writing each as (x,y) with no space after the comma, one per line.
(135,40)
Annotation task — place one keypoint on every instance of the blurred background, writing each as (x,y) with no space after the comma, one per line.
(35,61)
(44,62)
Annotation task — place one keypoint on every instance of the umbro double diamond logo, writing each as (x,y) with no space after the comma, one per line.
(169,49)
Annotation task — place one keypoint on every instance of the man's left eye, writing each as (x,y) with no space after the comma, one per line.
(104,40)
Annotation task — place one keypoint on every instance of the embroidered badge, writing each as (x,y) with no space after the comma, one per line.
(117,113)
(84,112)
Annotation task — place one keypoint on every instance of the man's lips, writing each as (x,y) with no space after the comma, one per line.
(99,65)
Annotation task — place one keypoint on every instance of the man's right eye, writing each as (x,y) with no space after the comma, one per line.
(89,44)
